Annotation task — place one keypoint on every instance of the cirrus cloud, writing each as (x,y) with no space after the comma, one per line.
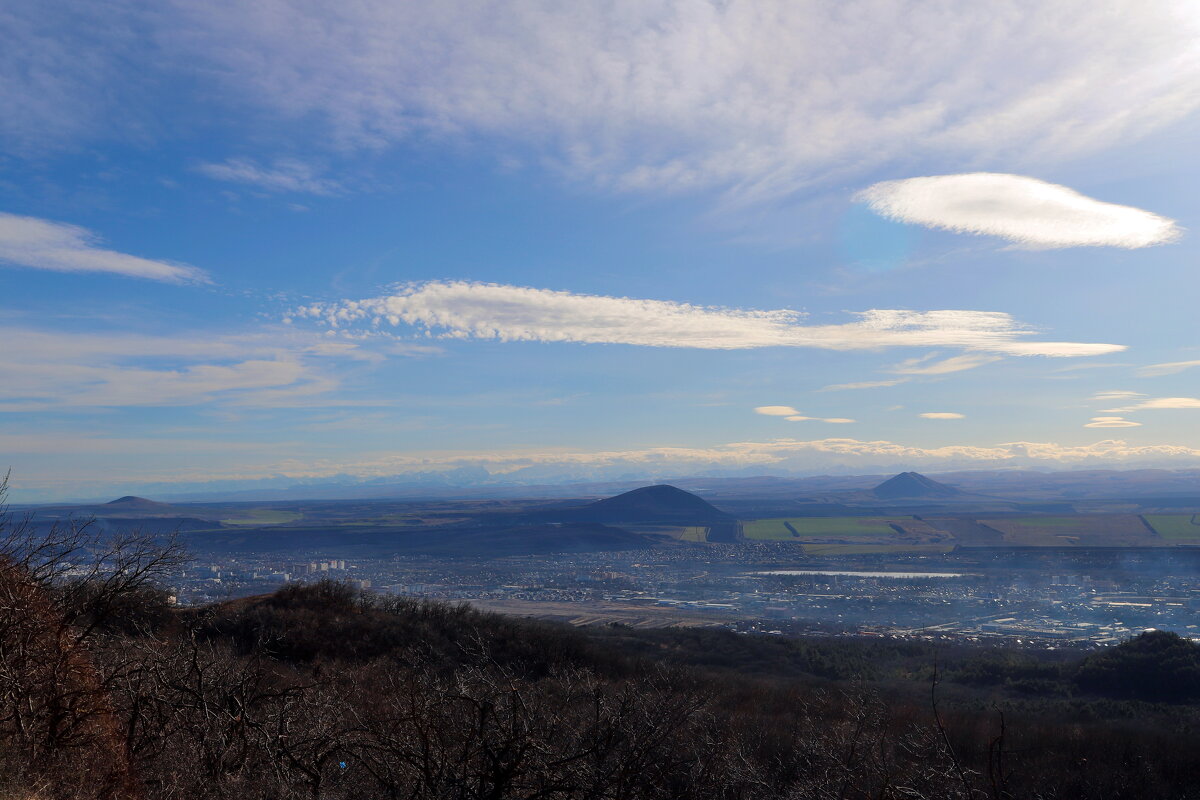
(925,365)
(759,98)
(464,310)
(57,246)
(942,415)
(792,415)
(1157,403)
(1023,210)
(1169,368)
(284,175)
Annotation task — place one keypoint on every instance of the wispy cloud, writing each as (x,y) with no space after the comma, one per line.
(1116,394)
(1023,210)
(777,411)
(1092,365)
(464,310)
(1169,368)
(284,175)
(1111,422)
(942,415)
(778,455)
(1156,403)
(924,365)
(761,98)
(42,244)
(55,369)
(838,387)
(792,415)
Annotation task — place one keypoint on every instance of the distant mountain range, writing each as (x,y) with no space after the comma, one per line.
(1015,483)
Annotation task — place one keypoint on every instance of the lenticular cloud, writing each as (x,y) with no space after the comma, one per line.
(1024,210)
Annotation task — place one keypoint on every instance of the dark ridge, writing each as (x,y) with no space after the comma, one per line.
(913,484)
(136,502)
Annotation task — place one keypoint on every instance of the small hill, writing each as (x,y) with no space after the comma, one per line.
(912,484)
(131,502)
(662,504)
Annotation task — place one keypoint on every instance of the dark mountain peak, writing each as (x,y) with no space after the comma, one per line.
(129,501)
(913,484)
(661,503)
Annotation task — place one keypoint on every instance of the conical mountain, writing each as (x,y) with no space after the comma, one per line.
(912,484)
(662,504)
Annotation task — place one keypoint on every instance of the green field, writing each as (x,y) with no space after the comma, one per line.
(693,534)
(1176,527)
(264,516)
(814,528)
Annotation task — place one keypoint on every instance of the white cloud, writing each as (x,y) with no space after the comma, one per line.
(774,457)
(792,415)
(1092,365)
(1156,403)
(1111,422)
(779,454)
(285,175)
(53,369)
(924,366)
(759,97)
(942,415)
(1169,368)
(42,244)
(1116,394)
(462,310)
(1023,210)
(838,387)
(777,411)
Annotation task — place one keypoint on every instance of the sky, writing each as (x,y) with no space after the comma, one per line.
(255,245)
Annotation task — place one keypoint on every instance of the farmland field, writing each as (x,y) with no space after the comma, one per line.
(693,534)
(802,528)
(264,516)
(1046,522)
(1086,530)
(1176,527)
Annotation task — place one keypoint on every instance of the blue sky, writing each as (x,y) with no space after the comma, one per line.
(539,242)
